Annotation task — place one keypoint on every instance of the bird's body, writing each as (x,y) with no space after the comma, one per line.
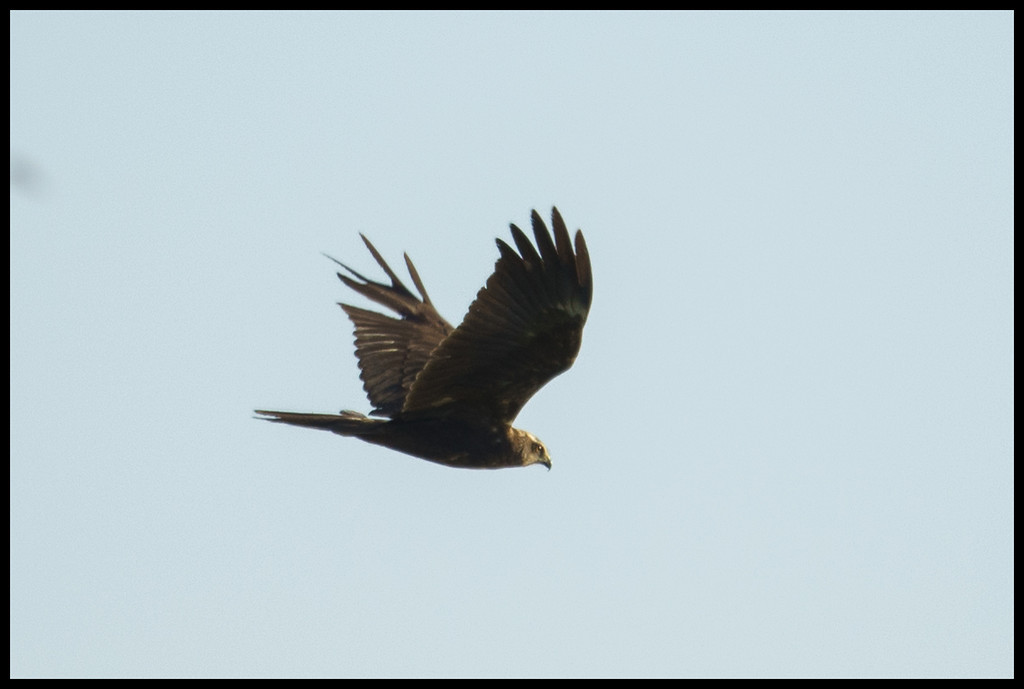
(453,442)
(449,395)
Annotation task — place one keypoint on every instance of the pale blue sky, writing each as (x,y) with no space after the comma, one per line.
(786,447)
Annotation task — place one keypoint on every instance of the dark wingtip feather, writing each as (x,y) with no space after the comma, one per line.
(416,279)
(526,249)
(355,273)
(562,241)
(543,237)
(395,282)
(583,271)
(505,250)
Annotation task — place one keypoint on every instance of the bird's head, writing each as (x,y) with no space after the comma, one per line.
(531,449)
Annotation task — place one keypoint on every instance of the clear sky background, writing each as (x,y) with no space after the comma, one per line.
(786,447)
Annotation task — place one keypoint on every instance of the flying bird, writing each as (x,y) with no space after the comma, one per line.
(450,395)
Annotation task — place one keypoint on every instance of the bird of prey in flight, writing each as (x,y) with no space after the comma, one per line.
(450,395)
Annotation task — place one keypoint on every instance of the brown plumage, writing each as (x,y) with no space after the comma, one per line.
(449,395)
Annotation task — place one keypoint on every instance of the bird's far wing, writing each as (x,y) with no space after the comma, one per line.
(392,351)
(522,330)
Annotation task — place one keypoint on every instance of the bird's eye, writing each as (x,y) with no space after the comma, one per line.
(538,448)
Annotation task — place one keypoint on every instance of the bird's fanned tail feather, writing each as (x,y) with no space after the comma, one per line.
(347,423)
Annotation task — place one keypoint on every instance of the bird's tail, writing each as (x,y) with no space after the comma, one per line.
(348,423)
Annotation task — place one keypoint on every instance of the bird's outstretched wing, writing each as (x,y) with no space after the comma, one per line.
(522,330)
(392,351)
